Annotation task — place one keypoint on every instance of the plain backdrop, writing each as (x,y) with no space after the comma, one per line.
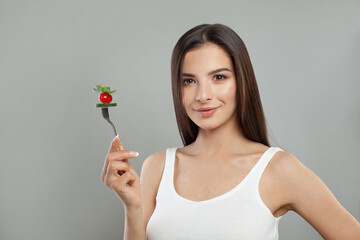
(306,57)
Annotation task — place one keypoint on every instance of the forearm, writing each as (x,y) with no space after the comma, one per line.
(134,225)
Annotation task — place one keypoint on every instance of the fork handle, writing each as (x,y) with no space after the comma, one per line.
(112,126)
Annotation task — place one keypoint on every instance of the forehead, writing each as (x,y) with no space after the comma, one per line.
(206,58)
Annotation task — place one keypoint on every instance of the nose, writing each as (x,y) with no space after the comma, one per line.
(204,92)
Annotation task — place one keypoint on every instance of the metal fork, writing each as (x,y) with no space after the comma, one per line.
(105,114)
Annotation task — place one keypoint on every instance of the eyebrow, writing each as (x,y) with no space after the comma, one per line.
(210,73)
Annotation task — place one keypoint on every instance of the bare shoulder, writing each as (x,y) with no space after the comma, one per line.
(306,194)
(285,165)
(154,162)
(291,175)
(152,169)
(281,173)
(150,177)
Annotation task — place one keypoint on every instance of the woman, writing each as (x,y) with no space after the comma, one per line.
(221,184)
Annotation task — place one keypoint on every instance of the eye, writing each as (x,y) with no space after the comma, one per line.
(186,81)
(219,77)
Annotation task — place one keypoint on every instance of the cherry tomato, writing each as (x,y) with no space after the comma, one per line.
(105,98)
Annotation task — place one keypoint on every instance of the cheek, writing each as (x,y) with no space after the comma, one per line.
(185,103)
(186,98)
(183,99)
(227,92)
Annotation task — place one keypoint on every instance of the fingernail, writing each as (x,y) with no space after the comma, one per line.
(134,153)
(117,136)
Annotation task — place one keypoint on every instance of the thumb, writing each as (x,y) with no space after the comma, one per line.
(114,144)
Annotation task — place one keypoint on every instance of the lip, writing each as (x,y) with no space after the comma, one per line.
(206,112)
(205,109)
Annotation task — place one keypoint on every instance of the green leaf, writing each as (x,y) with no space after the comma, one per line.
(106,90)
(101,89)
(96,90)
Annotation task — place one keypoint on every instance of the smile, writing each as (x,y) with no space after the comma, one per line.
(207,113)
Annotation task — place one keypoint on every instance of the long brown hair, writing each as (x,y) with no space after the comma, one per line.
(249,109)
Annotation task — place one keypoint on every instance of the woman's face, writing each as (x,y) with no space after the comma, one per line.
(208,81)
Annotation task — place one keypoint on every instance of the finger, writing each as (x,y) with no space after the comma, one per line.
(120,184)
(114,147)
(112,175)
(121,147)
(117,156)
(121,155)
(116,182)
(117,168)
(132,178)
(114,144)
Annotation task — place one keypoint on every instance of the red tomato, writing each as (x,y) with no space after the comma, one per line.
(105,98)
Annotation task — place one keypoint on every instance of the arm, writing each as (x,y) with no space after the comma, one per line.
(308,196)
(150,178)
(134,226)
(120,176)
(136,219)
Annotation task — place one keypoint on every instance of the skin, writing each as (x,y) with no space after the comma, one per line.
(221,157)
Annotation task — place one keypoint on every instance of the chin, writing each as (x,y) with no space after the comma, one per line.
(207,126)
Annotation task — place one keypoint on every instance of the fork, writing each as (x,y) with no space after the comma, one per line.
(105,114)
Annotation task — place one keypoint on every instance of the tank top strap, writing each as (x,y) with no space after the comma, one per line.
(170,162)
(263,162)
(165,187)
(169,165)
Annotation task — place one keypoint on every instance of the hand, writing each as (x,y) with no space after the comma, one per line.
(120,176)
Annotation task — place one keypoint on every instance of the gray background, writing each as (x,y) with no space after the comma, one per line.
(306,57)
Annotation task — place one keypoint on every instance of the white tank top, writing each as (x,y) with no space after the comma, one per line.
(237,214)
